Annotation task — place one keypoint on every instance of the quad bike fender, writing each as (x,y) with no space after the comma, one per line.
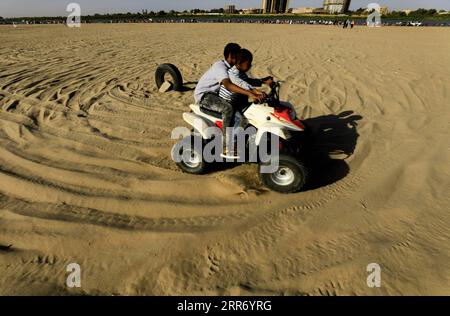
(206,129)
(289,106)
(270,129)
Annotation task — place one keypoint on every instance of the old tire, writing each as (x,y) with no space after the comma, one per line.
(290,177)
(172,70)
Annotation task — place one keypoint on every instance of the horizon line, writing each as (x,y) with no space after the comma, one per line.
(140,12)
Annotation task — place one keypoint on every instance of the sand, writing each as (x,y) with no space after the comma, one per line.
(86,175)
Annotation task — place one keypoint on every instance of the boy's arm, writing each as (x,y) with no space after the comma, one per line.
(237,80)
(236,89)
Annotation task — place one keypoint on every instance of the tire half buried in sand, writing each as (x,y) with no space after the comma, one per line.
(172,70)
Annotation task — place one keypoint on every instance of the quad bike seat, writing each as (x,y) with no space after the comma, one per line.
(215,114)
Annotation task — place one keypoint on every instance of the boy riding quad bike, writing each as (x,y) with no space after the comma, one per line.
(275,126)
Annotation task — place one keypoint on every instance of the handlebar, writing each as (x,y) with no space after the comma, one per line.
(273,98)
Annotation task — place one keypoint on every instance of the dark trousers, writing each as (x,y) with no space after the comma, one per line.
(213,102)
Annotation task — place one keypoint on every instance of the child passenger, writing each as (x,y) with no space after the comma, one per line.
(238,76)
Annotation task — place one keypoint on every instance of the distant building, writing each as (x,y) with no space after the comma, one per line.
(320,11)
(384,10)
(303,10)
(230,9)
(251,11)
(336,6)
(275,6)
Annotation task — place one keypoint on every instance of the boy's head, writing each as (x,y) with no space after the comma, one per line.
(244,60)
(230,53)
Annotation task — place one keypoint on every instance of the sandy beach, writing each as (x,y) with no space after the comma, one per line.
(86,174)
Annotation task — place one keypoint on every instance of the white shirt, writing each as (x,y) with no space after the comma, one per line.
(210,81)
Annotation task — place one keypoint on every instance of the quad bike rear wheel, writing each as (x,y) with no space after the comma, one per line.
(291,175)
(190,149)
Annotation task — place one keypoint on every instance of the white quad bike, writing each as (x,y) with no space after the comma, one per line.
(271,116)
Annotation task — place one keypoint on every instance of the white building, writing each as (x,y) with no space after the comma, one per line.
(230,9)
(303,10)
(336,6)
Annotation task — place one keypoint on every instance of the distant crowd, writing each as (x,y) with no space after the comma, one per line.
(342,23)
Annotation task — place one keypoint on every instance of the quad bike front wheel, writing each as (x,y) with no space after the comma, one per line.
(291,175)
(189,155)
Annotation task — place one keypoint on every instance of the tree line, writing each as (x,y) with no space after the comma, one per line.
(146,14)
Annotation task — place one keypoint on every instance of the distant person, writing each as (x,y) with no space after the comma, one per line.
(206,92)
(346,24)
(353,24)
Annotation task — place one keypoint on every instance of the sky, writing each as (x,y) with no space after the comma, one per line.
(21,8)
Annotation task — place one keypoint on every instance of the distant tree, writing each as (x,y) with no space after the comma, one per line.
(360,11)
(220,10)
(198,11)
(161,13)
(419,12)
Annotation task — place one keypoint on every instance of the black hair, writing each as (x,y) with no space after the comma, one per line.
(244,55)
(231,49)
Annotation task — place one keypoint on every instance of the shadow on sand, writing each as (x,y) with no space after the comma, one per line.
(333,139)
(189,86)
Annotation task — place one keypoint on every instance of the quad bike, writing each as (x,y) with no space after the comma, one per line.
(269,117)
